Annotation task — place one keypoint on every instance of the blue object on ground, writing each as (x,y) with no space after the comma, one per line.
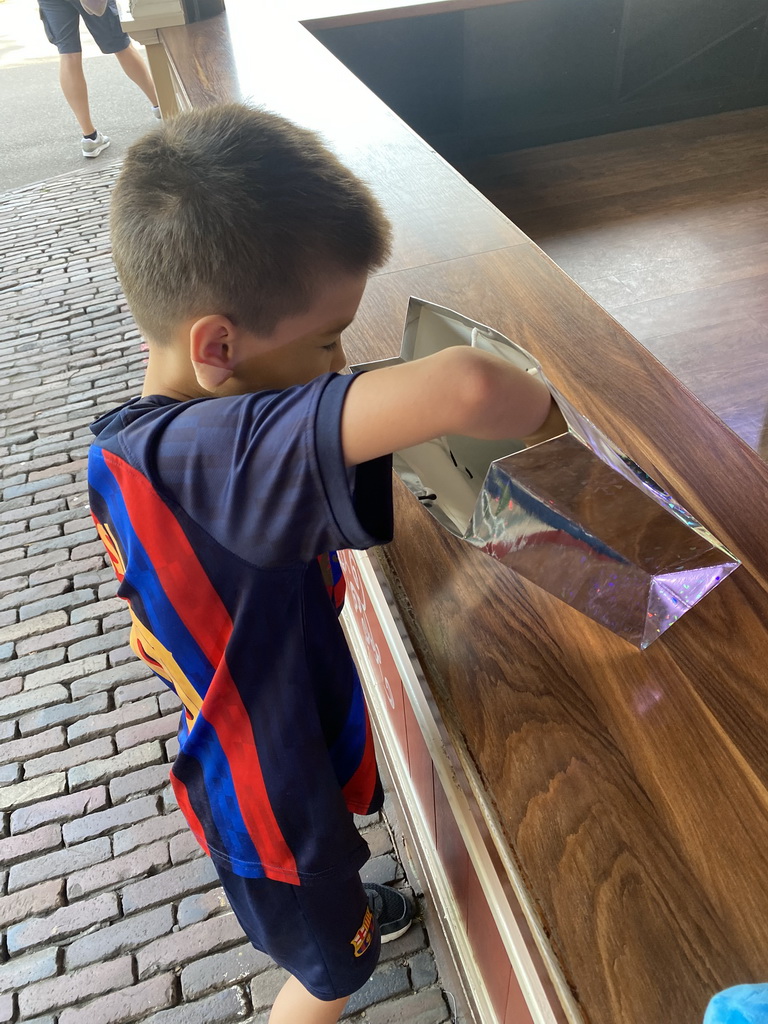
(742,1004)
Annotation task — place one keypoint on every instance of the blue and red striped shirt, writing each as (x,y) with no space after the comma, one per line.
(218,516)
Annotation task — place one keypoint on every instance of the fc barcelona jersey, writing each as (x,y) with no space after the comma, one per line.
(218,516)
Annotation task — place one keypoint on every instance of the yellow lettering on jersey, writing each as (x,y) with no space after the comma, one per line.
(115,555)
(146,645)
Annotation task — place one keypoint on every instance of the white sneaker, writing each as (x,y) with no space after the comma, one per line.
(92,147)
(158,113)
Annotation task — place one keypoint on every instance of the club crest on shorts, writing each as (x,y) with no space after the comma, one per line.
(364,935)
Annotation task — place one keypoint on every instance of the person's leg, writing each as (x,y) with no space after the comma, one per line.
(294,1003)
(135,67)
(75,89)
(61,21)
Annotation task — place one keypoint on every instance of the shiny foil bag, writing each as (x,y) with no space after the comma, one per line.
(572,513)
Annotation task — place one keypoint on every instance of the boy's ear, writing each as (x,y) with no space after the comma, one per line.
(212,351)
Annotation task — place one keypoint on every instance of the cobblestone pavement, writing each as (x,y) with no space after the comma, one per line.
(109,911)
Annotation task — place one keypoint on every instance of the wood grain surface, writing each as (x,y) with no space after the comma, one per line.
(631,788)
(667,228)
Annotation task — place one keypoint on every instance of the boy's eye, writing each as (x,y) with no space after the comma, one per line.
(332,347)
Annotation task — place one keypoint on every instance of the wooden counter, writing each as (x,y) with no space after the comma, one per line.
(621,797)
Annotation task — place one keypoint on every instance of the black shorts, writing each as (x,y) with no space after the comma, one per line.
(61,19)
(323,934)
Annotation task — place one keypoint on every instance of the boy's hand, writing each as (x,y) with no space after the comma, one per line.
(458,391)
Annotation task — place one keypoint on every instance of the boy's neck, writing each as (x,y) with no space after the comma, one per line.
(170,373)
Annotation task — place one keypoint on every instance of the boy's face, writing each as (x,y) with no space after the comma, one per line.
(301,347)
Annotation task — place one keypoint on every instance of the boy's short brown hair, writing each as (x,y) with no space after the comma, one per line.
(237,211)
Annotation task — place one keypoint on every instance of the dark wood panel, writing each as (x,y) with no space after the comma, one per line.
(661,38)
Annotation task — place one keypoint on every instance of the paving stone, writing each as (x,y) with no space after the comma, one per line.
(425,1007)
(388,980)
(12,707)
(10,773)
(32,791)
(423,969)
(54,865)
(9,687)
(120,937)
(170,803)
(221,1008)
(106,768)
(126,1004)
(122,656)
(98,609)
(110,678)
(29,746)
(142,781)
(21,847)
(66,601)
(25,970)
(84,754)
(101,822)
(182,847)
(158,728)
(30,902)
(59,809)
(265,986)
(168,701)
(176,881)
(66,673)
(110,722)
(62,714)
(43,623)
(201,906)
(63,922)
(57,638)
(223,969)
(380,869)
(379,840)
(188,944)
(96,644)
(76,986)
(137,864)
(148,832)
(145,687)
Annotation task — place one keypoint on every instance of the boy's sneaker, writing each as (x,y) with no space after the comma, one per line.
(92,147)
(158,113)
(391,909)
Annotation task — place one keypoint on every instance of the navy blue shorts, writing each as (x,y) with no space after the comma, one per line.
(323,934)
(61,19)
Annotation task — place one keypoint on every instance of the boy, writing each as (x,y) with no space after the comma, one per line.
(243,247)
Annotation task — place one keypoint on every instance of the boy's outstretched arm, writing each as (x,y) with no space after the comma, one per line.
(457,391)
